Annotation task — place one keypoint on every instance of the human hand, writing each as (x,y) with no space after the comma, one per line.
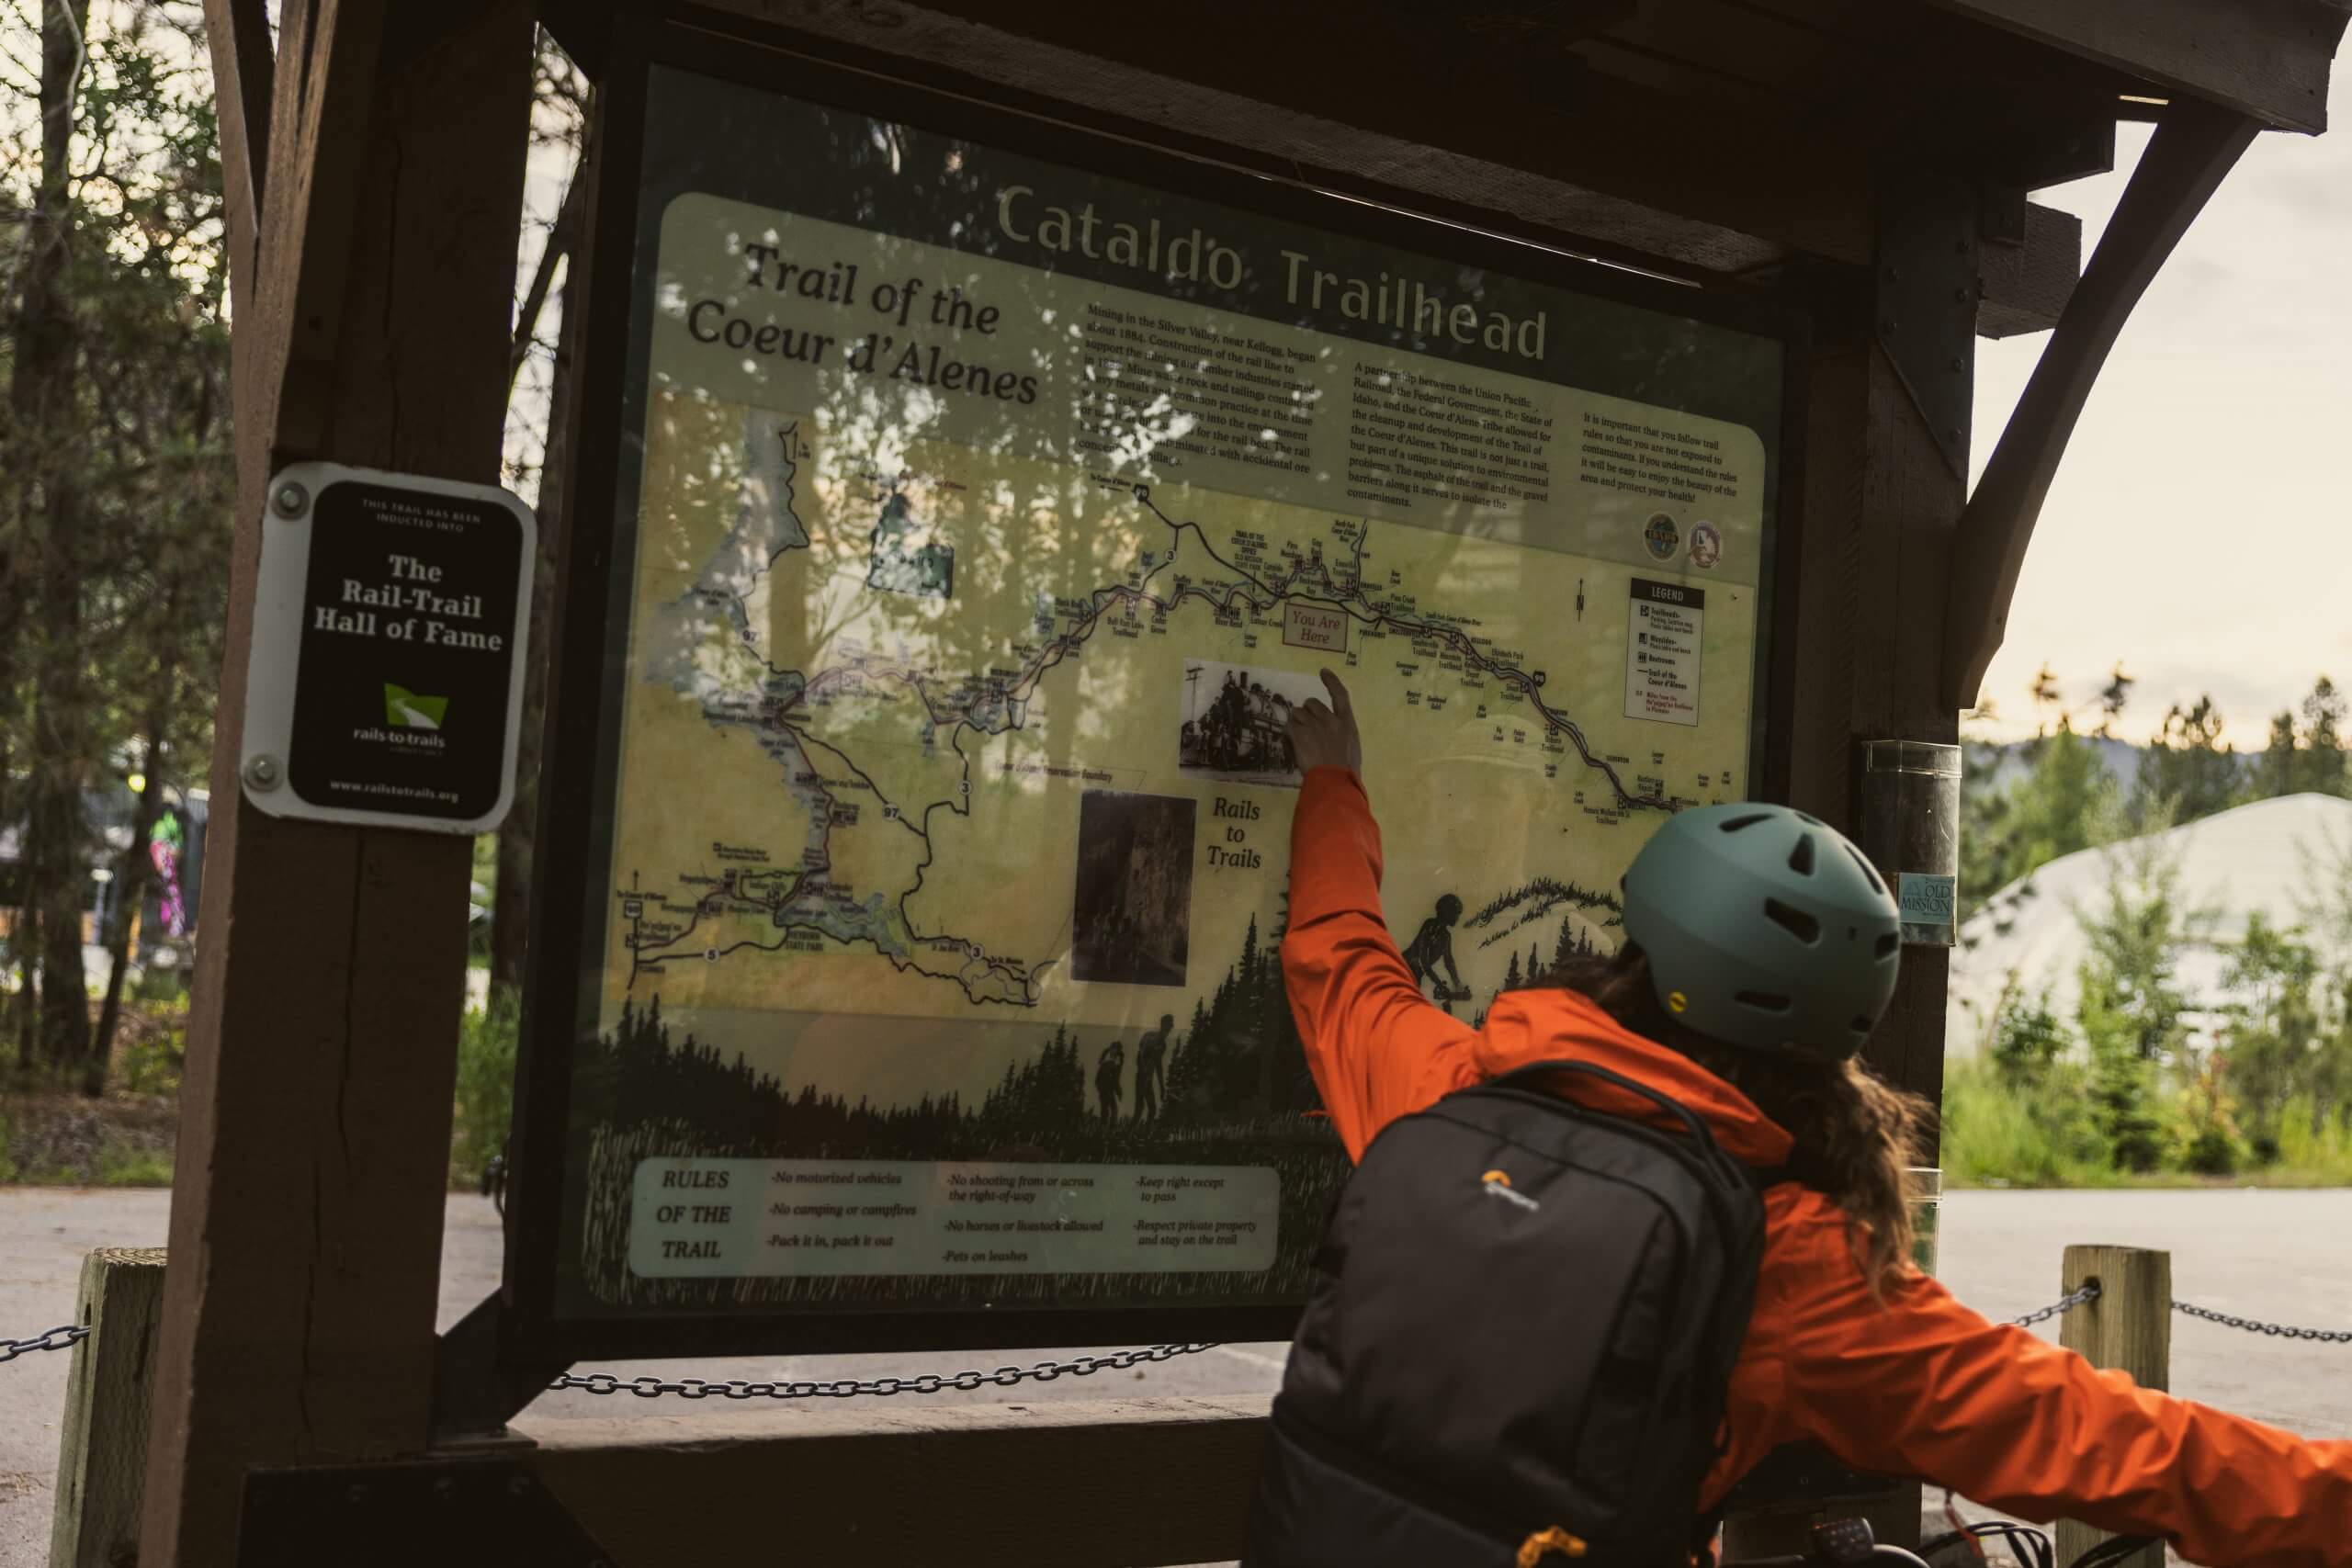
(1326,736)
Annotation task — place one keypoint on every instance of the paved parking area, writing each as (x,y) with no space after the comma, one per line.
(2279,1256)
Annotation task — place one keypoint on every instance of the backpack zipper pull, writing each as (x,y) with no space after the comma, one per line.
(1544,1542)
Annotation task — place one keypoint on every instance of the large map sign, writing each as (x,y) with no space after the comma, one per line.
(981,520)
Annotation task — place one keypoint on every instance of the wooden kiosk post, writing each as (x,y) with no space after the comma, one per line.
(1861,166)
(373,266)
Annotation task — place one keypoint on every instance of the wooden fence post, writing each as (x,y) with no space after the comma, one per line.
(2129,1327)
(102,1451)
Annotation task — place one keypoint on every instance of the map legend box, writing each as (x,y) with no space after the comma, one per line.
(1662,647)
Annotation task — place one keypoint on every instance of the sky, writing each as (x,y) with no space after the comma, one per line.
(2197,528)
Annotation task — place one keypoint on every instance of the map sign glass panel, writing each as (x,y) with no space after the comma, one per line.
(982,521)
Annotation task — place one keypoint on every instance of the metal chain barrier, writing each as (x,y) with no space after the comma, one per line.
(67,1336)
(2276,1330)
(850,1388)
(2063,1304)
(64,1337)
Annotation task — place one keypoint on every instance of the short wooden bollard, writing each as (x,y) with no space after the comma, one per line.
(102,1453)
(2127,1328)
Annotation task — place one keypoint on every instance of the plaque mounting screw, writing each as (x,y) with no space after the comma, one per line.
(291,499)
(262,773)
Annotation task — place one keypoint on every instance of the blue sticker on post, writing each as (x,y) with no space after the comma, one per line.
(1925,900)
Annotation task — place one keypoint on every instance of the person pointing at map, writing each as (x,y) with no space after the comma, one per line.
(1761,950)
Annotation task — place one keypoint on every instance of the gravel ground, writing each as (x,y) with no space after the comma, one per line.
(2281,1255)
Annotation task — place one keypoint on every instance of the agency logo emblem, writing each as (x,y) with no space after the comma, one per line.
(1497,1185)
(405,709)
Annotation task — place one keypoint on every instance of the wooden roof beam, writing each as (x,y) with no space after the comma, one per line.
(2265,59)
(1727,226)
(2192,152)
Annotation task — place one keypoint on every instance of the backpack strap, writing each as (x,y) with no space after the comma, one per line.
(1702,1536)
(1700,1131)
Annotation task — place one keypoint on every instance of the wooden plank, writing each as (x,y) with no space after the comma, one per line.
(2127,1328)
(2268,59)
(2027,287)
(1795,58)
(2186,162)
(1292,141)
(242,76)
(102,1451)
(306,1222)
(1670,170)
(1060,1485)
(1685,80)
(1876,523)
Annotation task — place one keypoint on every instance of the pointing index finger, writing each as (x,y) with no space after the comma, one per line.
(1340,703)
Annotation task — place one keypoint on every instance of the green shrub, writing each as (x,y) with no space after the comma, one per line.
(485,1106)
(2317,1155)
(7,1164)
(1999,1128)
(2212,1151)
(152,1051)
(123,1164)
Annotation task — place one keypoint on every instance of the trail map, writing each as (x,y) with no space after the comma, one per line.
(984,525)
(879,759)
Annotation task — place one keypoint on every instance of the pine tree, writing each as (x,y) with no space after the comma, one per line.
(2277,771)
(1510,974)
(2271,1051)
(2188,772)
(2323,770)
(2067,802)
(1564,948)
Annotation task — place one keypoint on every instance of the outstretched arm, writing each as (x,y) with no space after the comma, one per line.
(1377,1047)
(2034,1431)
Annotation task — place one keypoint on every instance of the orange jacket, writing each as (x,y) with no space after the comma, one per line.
(1915,1384)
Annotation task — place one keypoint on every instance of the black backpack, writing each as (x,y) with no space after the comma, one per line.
(1519,1343)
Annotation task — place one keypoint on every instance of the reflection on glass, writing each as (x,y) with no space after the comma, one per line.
(988,521)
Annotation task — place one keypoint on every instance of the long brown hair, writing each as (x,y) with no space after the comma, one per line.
(1855,1135)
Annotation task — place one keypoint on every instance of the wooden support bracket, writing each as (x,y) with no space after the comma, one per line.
(2193,150)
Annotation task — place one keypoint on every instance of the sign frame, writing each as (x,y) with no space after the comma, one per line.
(532,1332)
(266,773)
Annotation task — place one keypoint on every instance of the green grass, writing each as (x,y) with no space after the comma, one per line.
(1999,1133)
(122,1165)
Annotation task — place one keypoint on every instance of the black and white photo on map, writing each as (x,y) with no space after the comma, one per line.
(1236,722)
(1132,915)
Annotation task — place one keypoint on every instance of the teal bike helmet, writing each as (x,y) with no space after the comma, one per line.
(1765,929)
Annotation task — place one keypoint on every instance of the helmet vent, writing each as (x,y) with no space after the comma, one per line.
(1796,923)
(1801,857)
(1876,885)
(1886,944)
(1765,1000)
(1736,823)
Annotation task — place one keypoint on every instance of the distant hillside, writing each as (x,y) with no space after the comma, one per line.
(1998,767)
